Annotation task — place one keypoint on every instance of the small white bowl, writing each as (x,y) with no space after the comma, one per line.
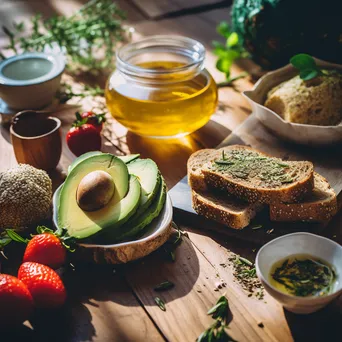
(30,80)
(158,232)
(299,133)
(299,243)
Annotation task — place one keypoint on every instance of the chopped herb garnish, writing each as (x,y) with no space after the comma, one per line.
(304,277)
(160,303)
(165,285)
(217,331)
(257,227)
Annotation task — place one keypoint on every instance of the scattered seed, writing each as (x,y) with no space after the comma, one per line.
(260,324)
(257,227)
(270,231)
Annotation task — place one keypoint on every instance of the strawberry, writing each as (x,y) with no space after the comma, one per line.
(46,249)
(44,284)
(96,120)
(83,138)
(16,302)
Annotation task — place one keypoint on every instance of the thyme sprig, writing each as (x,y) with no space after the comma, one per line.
(89,37)
(217,331)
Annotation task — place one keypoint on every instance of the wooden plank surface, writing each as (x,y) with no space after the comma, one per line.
(105,306)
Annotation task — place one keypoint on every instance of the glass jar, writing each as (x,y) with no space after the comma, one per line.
(160,87)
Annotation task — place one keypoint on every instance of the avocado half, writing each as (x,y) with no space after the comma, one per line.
(123,204)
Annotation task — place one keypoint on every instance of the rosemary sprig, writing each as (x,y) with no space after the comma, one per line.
(89,36)
(217,331)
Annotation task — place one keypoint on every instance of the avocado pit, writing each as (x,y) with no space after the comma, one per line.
(95,190)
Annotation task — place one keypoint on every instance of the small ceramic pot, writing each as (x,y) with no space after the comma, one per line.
(36,139)
(299,243)
(298,133)
(30,80)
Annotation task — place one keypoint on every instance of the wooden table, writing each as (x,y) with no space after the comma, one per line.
(117,303)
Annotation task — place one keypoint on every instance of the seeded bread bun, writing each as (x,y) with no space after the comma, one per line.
(314,102)
(319,206)
(256,177)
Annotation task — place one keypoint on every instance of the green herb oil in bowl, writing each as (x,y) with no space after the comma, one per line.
(303,275)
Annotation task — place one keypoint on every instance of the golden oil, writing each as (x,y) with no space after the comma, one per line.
(174,103)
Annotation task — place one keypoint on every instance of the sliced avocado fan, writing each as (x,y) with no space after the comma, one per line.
(123,204)
(136,225)
(149,176)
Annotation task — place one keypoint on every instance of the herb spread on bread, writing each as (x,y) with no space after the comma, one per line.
(246,164)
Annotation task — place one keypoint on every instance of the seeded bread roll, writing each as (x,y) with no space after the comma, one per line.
(319,206)
(224,209)
(314,102)
(256,177)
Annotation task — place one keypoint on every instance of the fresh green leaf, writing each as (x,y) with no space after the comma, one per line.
(223,29)
(224,64)
(308,74)
(165,285)
(232,40)
(15,236)
(160,303)
(303,61)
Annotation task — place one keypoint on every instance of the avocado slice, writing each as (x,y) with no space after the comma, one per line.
(149,176)
(137,223)
(82,224)
(126,159)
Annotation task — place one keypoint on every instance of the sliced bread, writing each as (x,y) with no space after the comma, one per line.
(256,177)
(319,206)
(194,167)
(224,209)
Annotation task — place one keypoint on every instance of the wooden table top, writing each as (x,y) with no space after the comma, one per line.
(109,303)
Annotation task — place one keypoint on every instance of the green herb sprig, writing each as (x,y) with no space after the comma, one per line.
(89,37)
(217,331)
(228,53)
(308,69)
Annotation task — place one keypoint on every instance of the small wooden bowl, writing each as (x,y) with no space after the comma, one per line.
(36,139)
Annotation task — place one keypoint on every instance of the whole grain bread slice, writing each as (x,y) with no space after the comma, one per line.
(254,176)
(194,168)
(224,209)
(318,206)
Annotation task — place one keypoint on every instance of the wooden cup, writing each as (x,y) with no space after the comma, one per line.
(36,139)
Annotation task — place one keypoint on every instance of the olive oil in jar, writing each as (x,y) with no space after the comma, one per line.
(303,275)
(172,104)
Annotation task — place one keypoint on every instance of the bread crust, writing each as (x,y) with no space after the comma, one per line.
(220,213)
(321,210)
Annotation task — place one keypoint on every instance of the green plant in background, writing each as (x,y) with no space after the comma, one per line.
(308,69)
(88,37)
(229,52)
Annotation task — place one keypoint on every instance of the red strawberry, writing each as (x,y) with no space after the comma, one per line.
(16,302)
(82,139)
(96,120)
(45,249)
(44,284)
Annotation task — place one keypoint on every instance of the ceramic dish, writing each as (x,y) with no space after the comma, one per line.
(30,80)
(156,235)
(299,243)
(298,133)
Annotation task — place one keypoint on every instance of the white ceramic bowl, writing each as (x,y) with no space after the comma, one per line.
(299,243)
(30,80)
(156,235)
(298,133)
